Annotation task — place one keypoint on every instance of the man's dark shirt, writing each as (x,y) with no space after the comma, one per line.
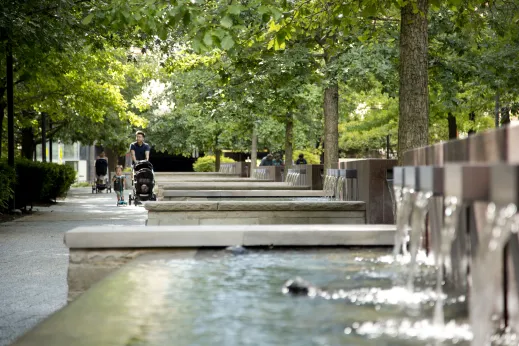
(301,162)
(140,150)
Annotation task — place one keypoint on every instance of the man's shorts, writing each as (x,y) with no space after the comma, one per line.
(119,194)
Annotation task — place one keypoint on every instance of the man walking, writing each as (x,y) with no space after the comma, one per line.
(140,150)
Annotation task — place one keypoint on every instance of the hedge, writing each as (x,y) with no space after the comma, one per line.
(35,182)
(206,163)
(7,180)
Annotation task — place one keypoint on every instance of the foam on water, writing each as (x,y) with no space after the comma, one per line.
(421,330)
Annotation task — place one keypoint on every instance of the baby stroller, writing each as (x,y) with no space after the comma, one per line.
(143,183)
(101,183)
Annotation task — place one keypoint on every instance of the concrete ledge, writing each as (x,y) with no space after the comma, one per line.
(243,193)
(180,206)
(142,237)
(195,174)
(230,186)
(256,206)
(172,180)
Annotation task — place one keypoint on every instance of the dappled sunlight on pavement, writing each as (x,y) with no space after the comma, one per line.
(34,260)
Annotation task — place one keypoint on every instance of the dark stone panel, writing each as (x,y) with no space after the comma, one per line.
(373,188)
(489,146)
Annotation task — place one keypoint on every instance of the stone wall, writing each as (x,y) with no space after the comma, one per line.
(255,213)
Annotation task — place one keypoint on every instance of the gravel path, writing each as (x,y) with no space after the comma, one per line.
(33,258)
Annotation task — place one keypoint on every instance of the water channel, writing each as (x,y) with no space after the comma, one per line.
(361,298)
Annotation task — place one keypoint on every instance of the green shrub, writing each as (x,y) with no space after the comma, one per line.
(7,180)
(206,163)
(41,181)
(312,157)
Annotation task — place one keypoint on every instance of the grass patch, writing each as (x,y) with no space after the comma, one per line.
(82,184)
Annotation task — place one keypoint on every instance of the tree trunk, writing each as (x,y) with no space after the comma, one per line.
(496,111)
(289,138)
(113,160)
(413,124)
(217,154)
(505,116)
(254,149)
(92,161)
(453,128)
(331,126)
(472,118)
(27,143)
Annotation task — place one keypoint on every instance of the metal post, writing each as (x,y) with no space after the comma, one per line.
(50,141)
(496,111)
(43,137)
(254,148)
(388,145)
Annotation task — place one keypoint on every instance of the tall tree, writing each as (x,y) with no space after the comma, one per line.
(413,92)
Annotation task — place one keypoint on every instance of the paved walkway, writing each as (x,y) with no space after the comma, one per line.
(34,260)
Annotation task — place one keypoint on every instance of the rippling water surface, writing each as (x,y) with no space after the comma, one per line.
(222,299)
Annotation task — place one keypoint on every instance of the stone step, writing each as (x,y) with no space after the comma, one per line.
(120,237)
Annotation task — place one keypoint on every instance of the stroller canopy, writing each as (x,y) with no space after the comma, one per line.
(142,164)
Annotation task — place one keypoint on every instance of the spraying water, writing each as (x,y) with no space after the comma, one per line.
(329,185)
(451,217)
(339,190)
(500,223)
(404,208)
(417,230)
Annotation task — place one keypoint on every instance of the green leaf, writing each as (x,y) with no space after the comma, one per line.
(226,22)
(163,33)
(271,44)
(227,43)
(263,10)
(208,38)
(279,43)
(234,9)
(221,33)
(197,45)
(186,18)
(88,19)
(276,13)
